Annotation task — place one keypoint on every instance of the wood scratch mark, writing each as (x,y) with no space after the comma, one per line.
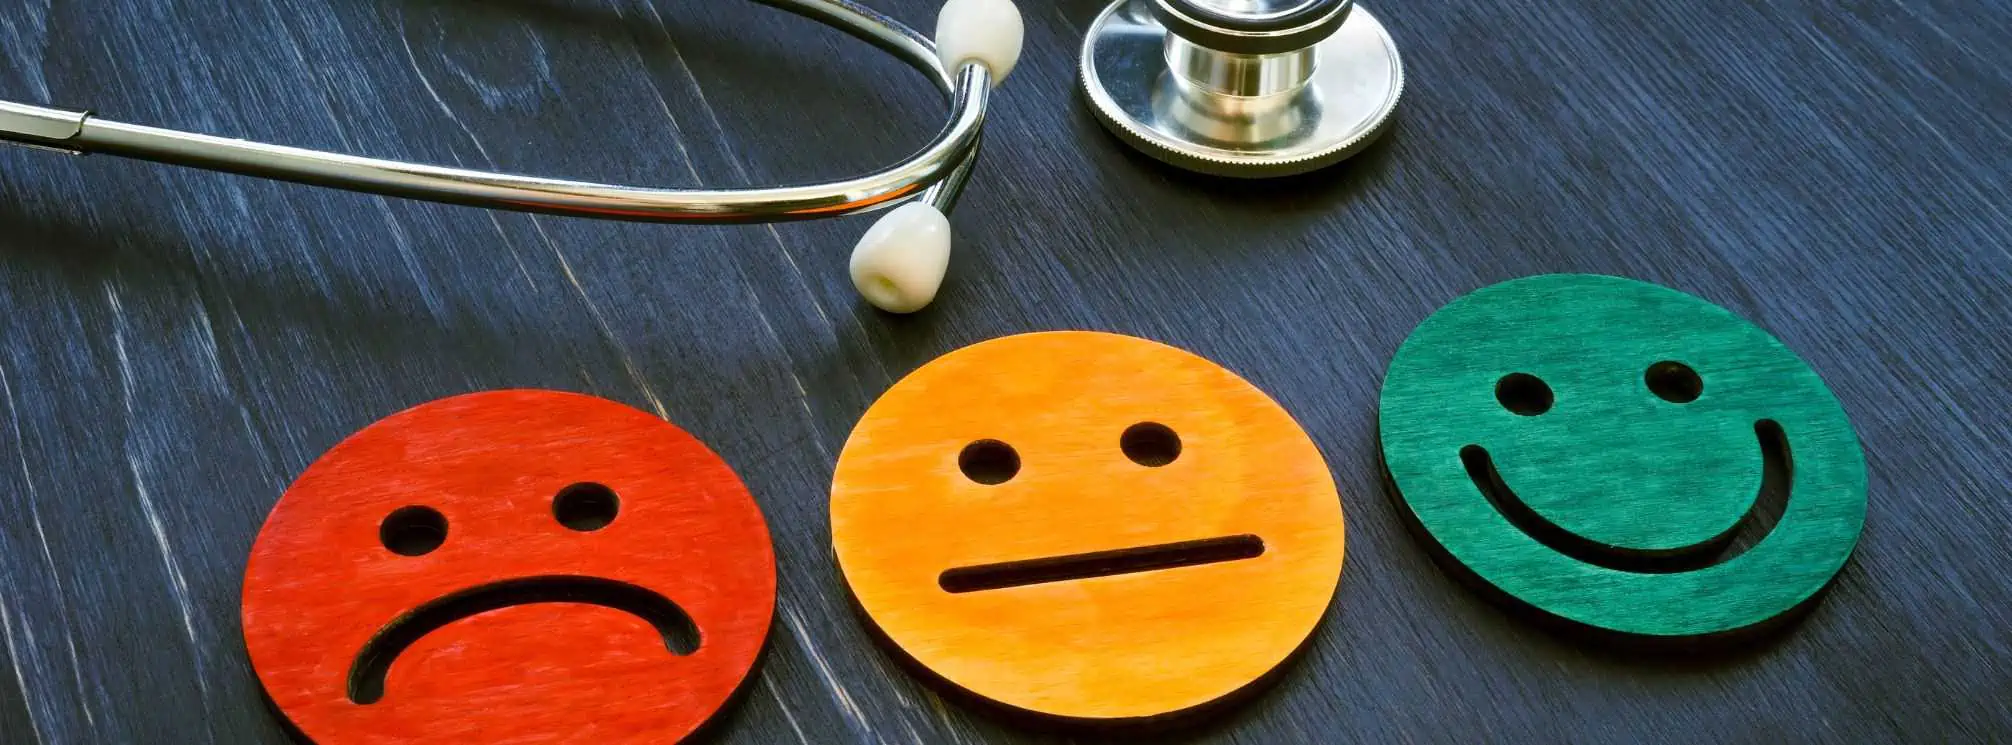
(212,347)
(796,270)
(119,345)
(27,29)
(790,448)
(178,584)
(412,60)
(399,238)
(21,675)
(403,242)
(936,704)
(677,130)
(496,97)
(766,682)
(258,444)
(793,623)
(1067,22)
(755,301)
(565,265)
(208,343)
(48,557)
(740,170)
(838,693)
(802,393)
(601,320)
(510,245)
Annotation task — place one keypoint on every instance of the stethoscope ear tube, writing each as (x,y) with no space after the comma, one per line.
(985,40)
(41,127)
(899,264)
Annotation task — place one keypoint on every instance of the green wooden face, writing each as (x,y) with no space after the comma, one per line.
(1595,446)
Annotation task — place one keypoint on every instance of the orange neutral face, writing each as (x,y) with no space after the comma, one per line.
(1087,525)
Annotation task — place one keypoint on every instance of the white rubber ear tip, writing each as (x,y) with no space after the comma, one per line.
(988,31)
(899,263)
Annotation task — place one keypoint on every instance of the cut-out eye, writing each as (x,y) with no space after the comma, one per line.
(1150,444)
(1674,382)
(989,462)
(1524,394)
(586,507)
(413,531)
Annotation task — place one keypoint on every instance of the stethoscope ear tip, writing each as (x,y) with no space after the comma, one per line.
(899,264)
(989,32)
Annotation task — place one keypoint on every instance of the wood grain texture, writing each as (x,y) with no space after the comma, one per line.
(512,622)
(1082,638)
(1599,449)
(176,346)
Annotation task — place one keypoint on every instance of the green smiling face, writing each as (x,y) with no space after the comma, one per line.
(1622,455)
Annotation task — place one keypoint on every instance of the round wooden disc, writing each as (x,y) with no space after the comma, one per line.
(1622,456)
(520,565)
(1086,525)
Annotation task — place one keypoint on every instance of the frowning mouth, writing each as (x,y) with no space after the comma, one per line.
(366,675)
(1100,563)
(1777,472)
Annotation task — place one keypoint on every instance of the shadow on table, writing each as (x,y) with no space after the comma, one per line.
(1700,654)
(1195,724)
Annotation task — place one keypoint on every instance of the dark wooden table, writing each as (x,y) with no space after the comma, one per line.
(175,346)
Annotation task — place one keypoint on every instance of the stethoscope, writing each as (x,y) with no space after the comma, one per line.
(1245,88)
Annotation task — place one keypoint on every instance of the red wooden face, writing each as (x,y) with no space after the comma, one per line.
(521,566)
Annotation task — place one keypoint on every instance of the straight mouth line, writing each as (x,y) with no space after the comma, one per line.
(1100,563)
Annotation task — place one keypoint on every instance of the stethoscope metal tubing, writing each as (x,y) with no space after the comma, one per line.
(936,173)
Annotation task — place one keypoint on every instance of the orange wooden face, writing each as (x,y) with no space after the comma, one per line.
(522,566)
(1087,525)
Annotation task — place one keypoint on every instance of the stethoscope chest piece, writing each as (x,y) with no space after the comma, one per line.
(1243,88)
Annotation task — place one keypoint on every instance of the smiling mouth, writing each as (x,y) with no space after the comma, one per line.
(1777,472)
(1068,567)
(373,662)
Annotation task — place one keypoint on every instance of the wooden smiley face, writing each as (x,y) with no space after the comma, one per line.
(1087,525)
(1632,461)
(520,566)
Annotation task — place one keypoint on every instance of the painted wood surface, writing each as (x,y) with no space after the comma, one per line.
(1087,525)
(1622,456)
(176,347)
(509,566)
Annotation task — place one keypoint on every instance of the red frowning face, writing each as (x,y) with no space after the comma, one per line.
(522,566)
